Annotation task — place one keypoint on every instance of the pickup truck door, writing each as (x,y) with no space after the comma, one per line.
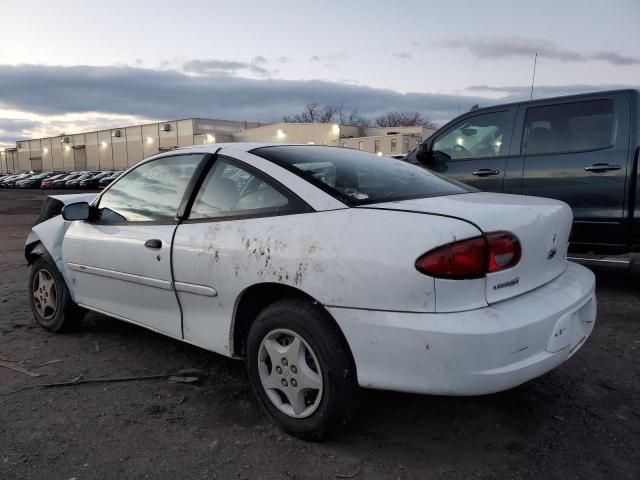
(474,150)
(577,152)
(120,263)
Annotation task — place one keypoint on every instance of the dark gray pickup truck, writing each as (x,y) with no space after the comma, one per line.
(582,149)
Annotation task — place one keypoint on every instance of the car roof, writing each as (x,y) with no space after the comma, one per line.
(597,93)
(238,146)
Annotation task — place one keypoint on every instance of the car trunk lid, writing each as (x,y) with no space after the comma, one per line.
(541,225)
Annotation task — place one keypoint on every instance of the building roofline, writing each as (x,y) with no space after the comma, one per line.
(140,125)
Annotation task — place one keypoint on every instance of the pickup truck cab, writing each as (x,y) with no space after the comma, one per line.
(581,149)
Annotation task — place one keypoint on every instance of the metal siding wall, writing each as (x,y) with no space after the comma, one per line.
(79,157)
(168,139)
(119,147)
(24,164)
(35,155)
(134,145)
(93,155)
(47,161)
(104,149)
(3,162)
(150,139)
(56,154)
(12,160)
(67,155)
(185,133)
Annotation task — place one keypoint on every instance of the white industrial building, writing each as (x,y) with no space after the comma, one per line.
(119,148)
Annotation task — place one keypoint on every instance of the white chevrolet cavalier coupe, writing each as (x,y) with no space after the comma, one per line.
(327,269)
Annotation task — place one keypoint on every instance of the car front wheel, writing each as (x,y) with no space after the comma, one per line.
(301,369)
(50,299)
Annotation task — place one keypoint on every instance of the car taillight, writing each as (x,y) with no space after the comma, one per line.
(459,260)
(504,250)
(472,258)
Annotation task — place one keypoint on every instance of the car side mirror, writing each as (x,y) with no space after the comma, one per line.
(76,211)
(423,153)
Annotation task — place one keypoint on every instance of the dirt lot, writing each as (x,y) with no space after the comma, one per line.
(579,421)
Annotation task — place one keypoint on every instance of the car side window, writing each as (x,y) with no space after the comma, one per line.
(569,127)
(483,135)
(230,190)
(150,193)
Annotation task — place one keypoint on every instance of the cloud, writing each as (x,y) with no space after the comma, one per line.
(227,67)
(331,57)
(14,128)
(402,55)
(494,48)
(79,98)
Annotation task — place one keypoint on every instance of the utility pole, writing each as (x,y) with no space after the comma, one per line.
(533,79)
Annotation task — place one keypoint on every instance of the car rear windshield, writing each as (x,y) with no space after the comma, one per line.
(358,178)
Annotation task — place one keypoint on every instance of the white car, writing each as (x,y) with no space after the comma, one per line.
(326,269)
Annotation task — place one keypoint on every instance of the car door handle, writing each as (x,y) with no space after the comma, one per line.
(602,167)
(485,172)
(154,243)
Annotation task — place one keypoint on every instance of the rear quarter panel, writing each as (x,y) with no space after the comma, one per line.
(349,258)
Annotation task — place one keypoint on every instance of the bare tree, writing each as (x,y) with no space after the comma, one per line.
(310,114)
(396,118)
(315,113)
(351,118)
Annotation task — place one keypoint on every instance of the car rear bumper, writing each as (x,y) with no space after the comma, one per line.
(473,352)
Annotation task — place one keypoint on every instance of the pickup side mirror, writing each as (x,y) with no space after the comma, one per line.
(423,153)
(76,211)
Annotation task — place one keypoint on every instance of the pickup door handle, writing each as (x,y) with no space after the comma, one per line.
(602,167)
(154,243)
(486,172)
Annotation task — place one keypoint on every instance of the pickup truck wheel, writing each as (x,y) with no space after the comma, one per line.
(50,300)
(301,369)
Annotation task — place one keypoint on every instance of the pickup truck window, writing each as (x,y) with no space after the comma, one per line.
(569,127)
(479,136)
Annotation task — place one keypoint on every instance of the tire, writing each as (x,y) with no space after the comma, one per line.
(50,299)
(322,355)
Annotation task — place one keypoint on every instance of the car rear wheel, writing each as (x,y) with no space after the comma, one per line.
(301,369)
(50,299)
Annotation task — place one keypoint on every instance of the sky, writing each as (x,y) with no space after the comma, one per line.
(72,66)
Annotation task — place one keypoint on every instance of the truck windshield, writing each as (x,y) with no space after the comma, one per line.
(359,178)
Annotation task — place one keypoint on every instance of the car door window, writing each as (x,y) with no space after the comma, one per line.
(480,136)
(569,127)
(151,192)
(230,190)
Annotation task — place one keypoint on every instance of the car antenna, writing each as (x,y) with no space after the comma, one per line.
(533,78)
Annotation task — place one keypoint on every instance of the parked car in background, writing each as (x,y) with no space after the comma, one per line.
(581,149)
(9,178)
(325,268)
(59,183)
(46,183)
(94,181)
(35,180)
(107,180)
(75,182)
(11,182)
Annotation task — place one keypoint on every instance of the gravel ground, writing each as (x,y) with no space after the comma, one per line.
(581,420)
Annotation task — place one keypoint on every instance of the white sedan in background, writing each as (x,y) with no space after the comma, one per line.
(327,269)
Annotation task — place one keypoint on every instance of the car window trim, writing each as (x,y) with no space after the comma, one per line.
(298,204)
(173,221)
